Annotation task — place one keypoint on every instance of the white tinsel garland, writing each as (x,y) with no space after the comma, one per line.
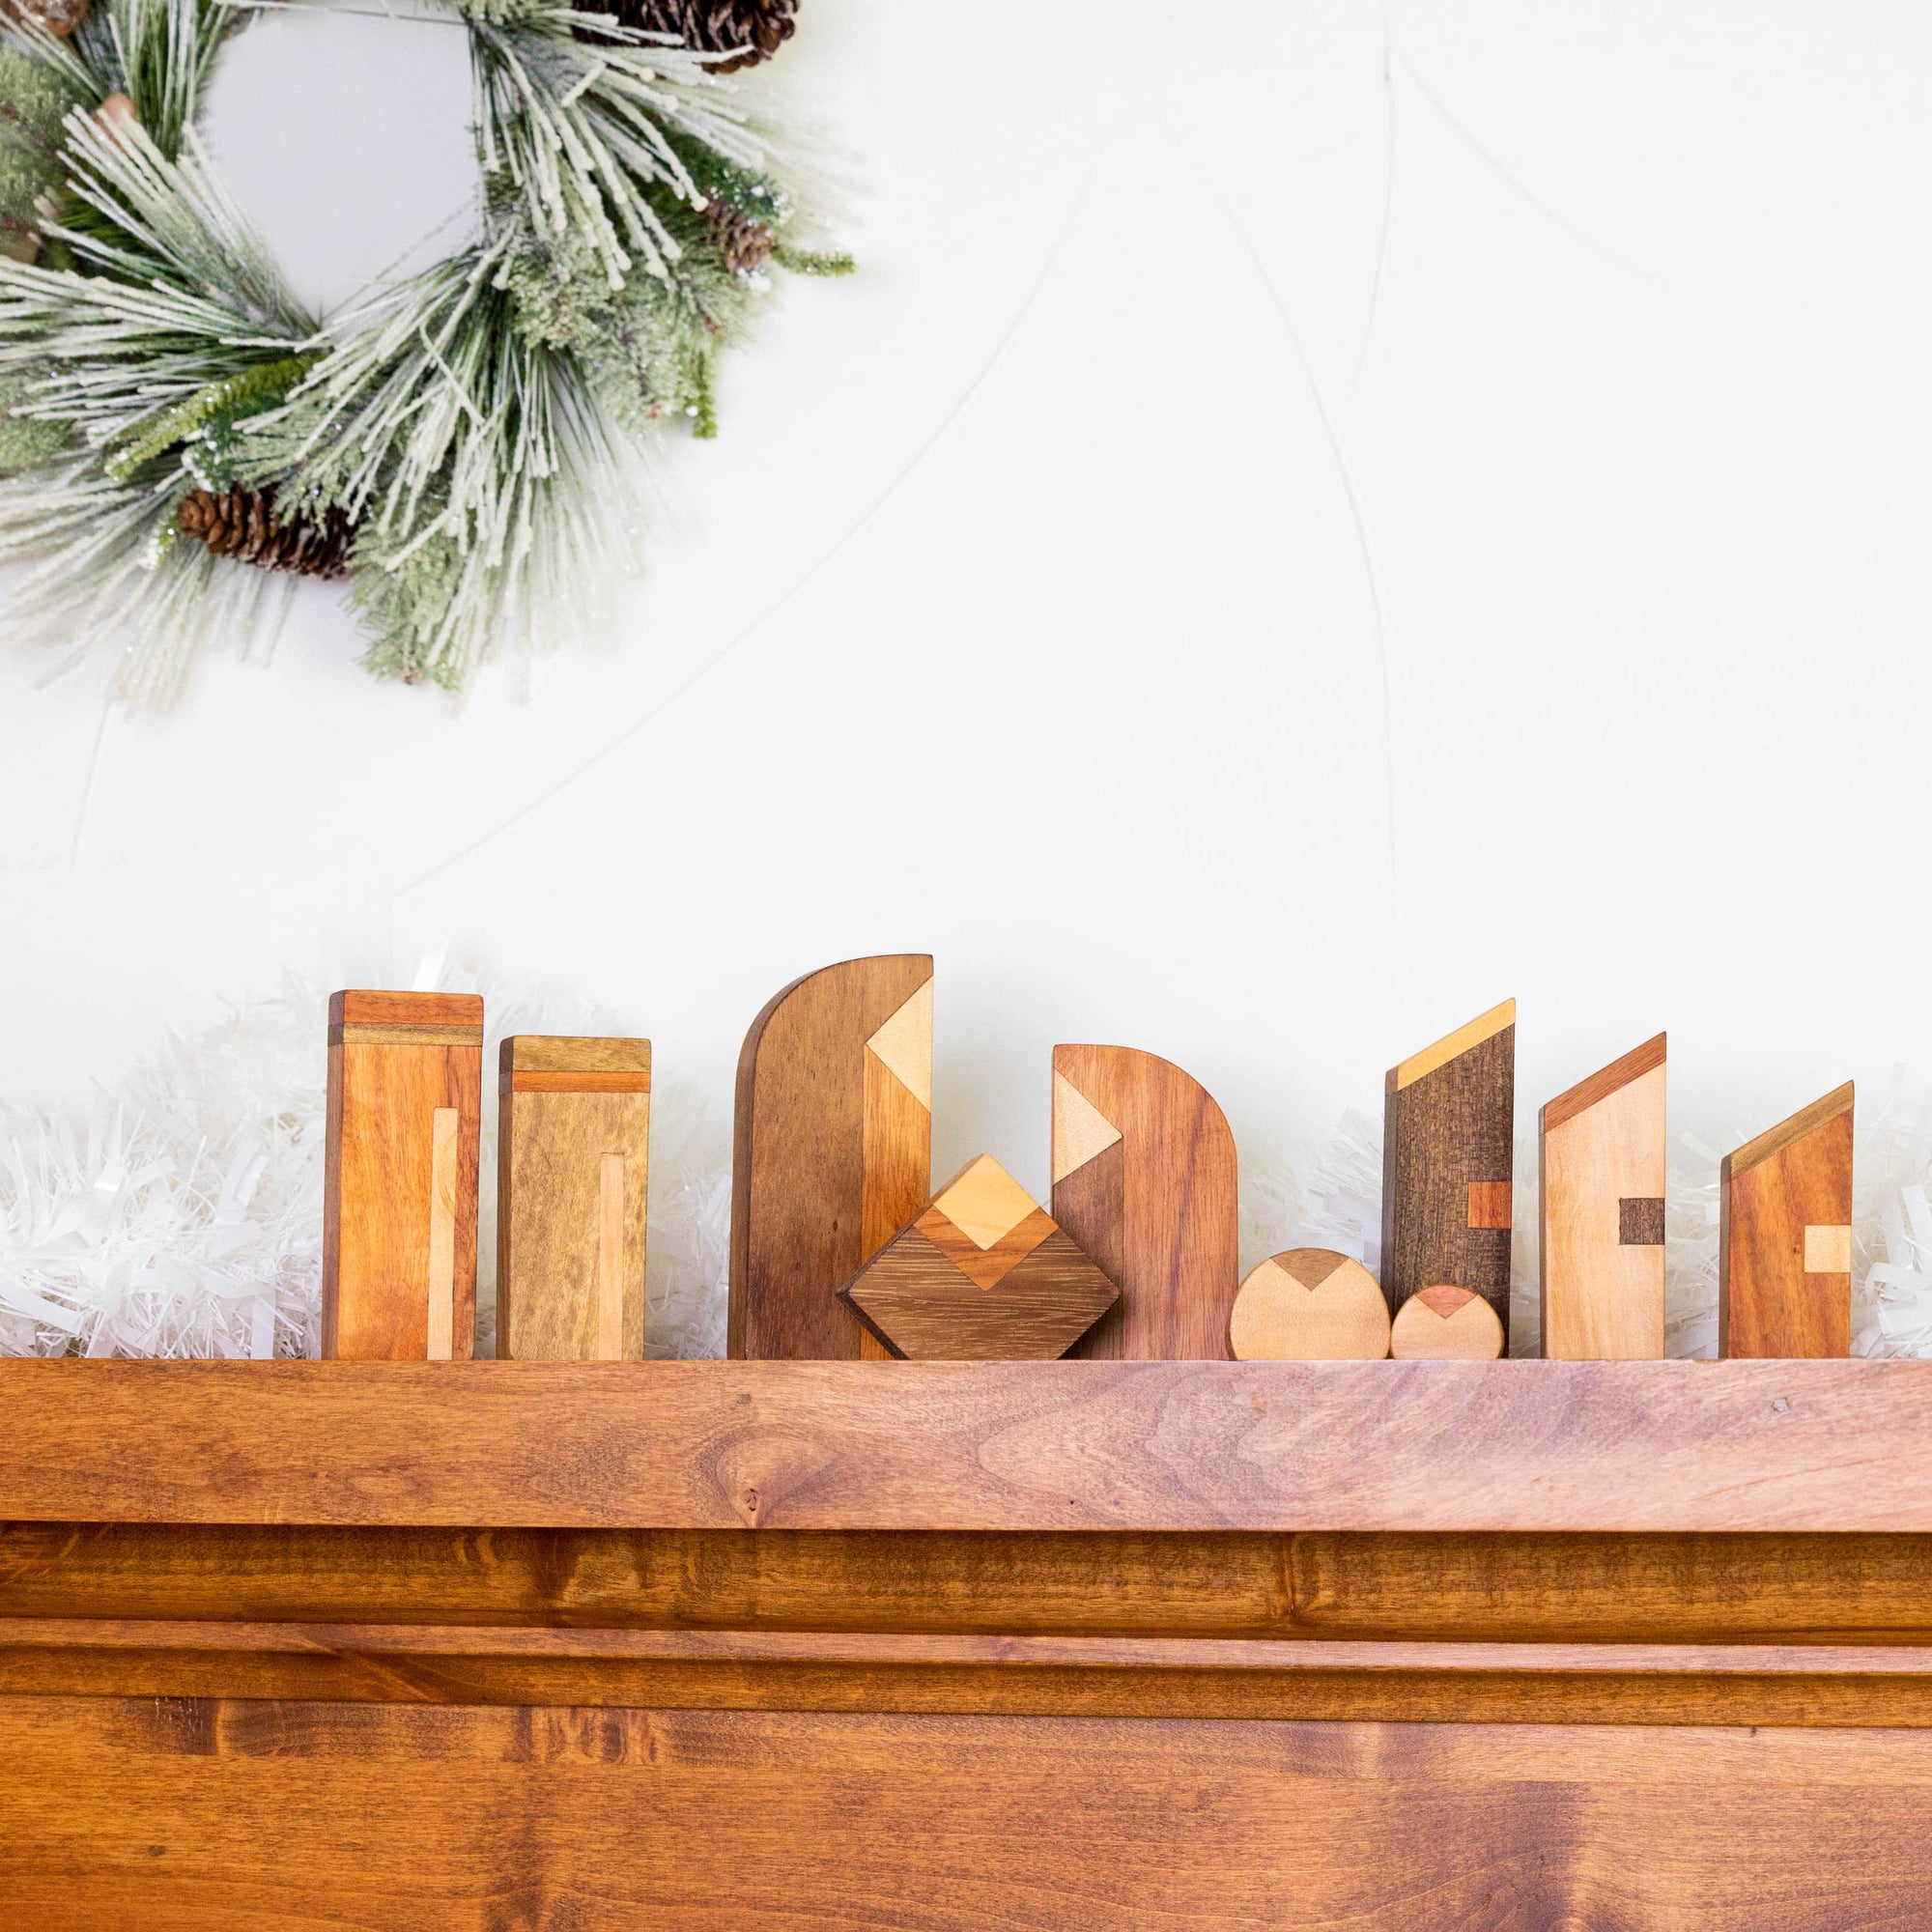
(181,1215)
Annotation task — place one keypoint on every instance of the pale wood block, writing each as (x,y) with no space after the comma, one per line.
(399,1218)
(1601,1199)
(1309,1305)
(1828,1250)
(1445,1323)
(573,1162)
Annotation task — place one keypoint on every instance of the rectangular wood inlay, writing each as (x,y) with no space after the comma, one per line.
(611,1259)
(1640,1222)
(373,1033)
(585,1081)
(1488,1203)
(1828,1250)
(442,1236)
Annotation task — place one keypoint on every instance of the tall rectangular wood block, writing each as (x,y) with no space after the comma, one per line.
(1784,1240)
(399,1208)
(572,1136)
(1602,1206)
(1448,1160)
(831,1153)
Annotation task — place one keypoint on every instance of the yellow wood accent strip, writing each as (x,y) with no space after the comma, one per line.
(373,1033)
(442,1235)
(1454,1045)
(611,1259)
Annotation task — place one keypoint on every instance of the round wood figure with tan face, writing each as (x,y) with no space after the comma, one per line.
(1309,1305)
(1446,1324)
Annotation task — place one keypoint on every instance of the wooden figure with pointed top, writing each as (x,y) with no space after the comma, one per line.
(1784,1237)
(1309,1305)
(1601,1211)
(573,1144)
(399,1186)
(1446,1324)
(1448,1127)
(832,1152)
(1144,1180)
(984,1275)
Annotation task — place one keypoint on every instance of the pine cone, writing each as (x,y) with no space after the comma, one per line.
(711,26)
(743,242)
(242,524)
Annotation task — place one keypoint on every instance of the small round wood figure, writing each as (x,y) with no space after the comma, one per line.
(1446,1324)
(1309,1305)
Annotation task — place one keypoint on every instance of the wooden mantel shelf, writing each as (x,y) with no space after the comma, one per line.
(1525,1446)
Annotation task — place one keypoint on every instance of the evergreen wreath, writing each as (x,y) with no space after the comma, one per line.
(176,435)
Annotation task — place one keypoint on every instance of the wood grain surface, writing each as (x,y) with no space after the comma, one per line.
(189,1814)
(573,1164)
(1448,1140)
(831,1153)
(1602,1212)
(1784,1280)
(1309,1305)
(1030,1445)
(1145,1181)
(1444,1324)
(399,1211)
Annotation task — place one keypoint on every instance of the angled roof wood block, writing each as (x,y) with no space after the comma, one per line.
(1443,1324)
(984,1275)
(1447,1157)
(1309,1305)
(573,1144)
(831,1153)
(399,1188)
(1785,1238)
(1601,1209)
(1144,1180)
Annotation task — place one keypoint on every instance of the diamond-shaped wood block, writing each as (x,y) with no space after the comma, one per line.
(984,1275)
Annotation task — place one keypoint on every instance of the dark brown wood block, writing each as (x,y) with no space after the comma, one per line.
(1144,1180)
(399,1209)
(982,1276)
(1447,1159)
(573,1146)
(832,1152)
(1784,1244)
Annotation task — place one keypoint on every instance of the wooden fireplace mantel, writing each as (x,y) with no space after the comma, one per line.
(1143,1647)
(1177,1446)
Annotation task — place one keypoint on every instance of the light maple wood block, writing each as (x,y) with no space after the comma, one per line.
(1784,1240)
(831,1153)
(572,1146)
(399,1208)
(1144,1180)
(1447,1157)
(1602,1201)
(983,1275)
(1309,1305)
(1445,1323)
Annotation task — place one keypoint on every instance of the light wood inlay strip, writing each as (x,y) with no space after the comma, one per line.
(373,1033)
(611,1259)
(1453,1047)
(442,1236)
(523,1081)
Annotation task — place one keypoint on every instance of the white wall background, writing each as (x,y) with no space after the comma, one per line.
(1312,519)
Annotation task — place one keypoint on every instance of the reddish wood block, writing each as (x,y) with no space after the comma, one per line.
(399,1203)
(1784,1243)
